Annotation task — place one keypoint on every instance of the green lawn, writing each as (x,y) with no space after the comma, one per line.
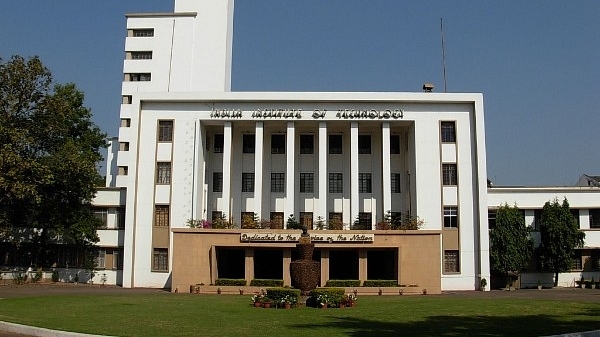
(166,314)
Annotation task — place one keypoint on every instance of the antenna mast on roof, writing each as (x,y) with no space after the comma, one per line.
(443,52)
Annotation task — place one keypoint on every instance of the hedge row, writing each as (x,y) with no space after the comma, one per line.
(343,283)
(266,283)
(230,282)
(277,294)
(380,283)
(335,296)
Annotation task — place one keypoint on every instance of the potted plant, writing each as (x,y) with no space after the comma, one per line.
(350,300)
(287,301)
(266,302)
(539,285)
(593,283)
(482,284)
(257,300)
(219,290)
(323,300)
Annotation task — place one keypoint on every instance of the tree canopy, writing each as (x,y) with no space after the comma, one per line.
(49,148)
(559,237)
(511,245)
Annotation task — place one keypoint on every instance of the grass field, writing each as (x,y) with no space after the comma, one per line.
(166,314)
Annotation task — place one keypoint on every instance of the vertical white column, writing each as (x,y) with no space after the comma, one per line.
(290,175)
(386,171)
(322,173)
(227,135)
(354,167)
(258,168)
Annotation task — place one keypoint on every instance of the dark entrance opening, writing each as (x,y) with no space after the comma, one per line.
(268,264)
(231,263)
(382,264)
(343,264)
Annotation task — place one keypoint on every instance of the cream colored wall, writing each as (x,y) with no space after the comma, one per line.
(419,255)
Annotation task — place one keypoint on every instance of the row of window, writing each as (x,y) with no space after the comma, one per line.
(335,142)
(307,144)
(307,181)
(594,217)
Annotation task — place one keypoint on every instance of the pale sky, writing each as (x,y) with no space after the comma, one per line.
(536,63)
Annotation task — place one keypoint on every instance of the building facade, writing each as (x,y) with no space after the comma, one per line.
(190,151)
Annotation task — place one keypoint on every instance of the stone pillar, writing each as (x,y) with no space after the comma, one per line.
(287,259)
(290,175)
(249,272)
(322,174)
(386,172)
(354,169)
(258,168)
(362,264)
(324,266)
(227,140)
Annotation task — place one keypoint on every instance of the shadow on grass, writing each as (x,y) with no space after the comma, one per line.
(532,325)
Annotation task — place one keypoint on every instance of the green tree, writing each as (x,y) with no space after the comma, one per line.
(511,245)
(559,237)
(48,155)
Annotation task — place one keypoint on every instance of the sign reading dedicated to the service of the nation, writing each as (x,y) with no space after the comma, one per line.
(315,237)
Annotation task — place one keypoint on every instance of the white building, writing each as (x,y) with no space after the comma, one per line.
(189,148)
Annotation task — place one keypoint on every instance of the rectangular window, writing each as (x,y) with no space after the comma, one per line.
(123,170)
(163,173)
(278,144)
(306,219)
(450,217)
(394,144)
(576,263)
(123,146)
(335,144)
(247,220)
(276,220)
(247,182)
(595,257)
(364,144)
(117,259)
(364,221)
(448,130)
(335,221)
(217,181)
(160,259)
(126,99)
(595,218)
(395,182)
(216,215)
(125,122)
(161,215)
(307,144)
(121,217)
(336,183)
(102,214)
(449,175)
(138,77)
(100,258)
(147,32)
(575,214)
(248,143)
(364,183)
(218,143)
(277,182)
(451,261)
(491,219)
(537,219)
(165,131)
(141,55)
(307,182)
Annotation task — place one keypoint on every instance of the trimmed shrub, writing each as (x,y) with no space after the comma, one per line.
(343,283)
(335,296)
(230,282)
(55,276)
(380,283)
(278,294)
(266,283)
